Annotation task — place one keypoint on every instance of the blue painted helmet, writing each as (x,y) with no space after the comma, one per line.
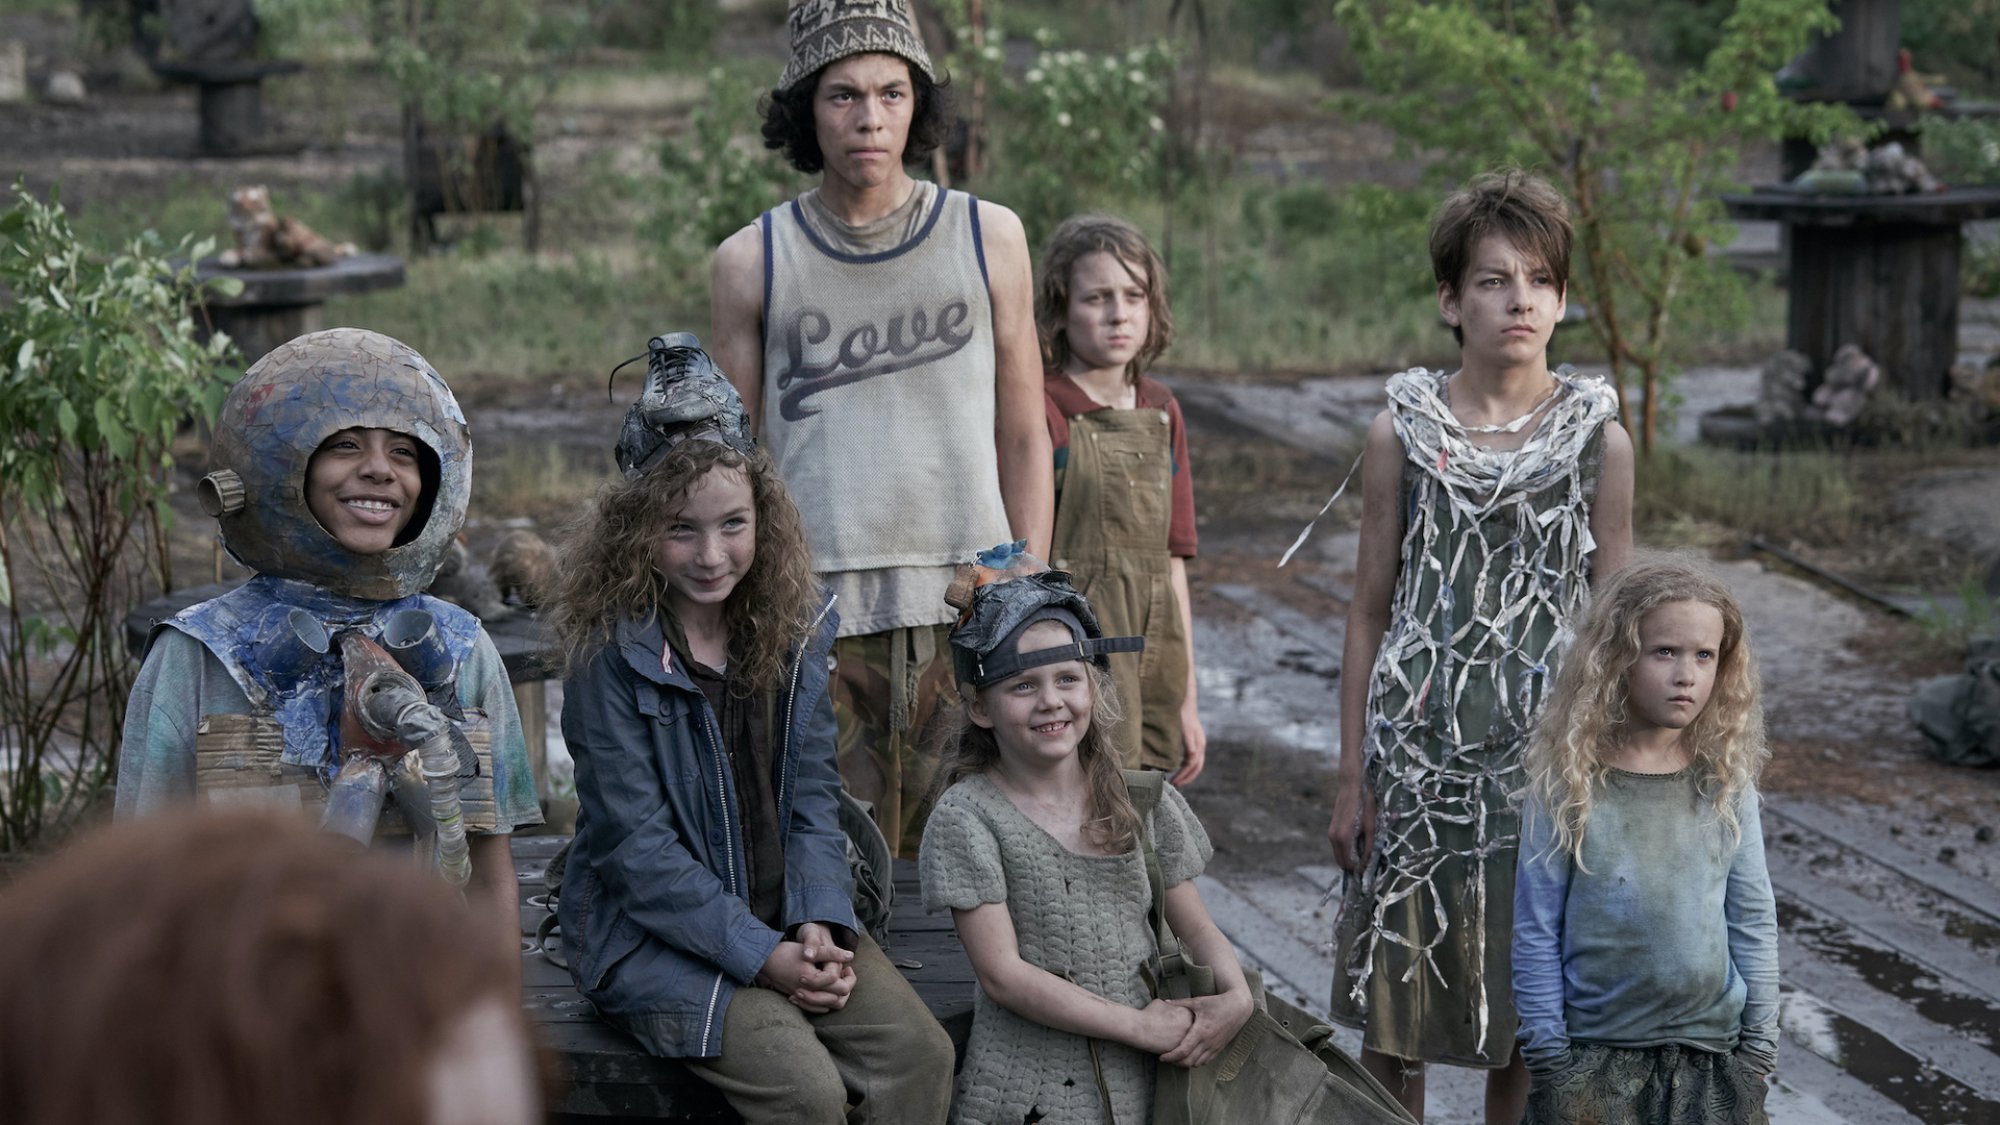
(273,421)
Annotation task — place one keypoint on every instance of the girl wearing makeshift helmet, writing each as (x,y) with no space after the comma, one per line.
(341,472)
(1040,854)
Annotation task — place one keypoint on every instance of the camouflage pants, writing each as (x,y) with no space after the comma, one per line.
(893,699)
(1669,1085)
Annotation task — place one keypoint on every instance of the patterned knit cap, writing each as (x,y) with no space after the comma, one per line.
(825,31)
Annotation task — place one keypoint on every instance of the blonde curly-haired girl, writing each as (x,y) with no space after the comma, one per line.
(1640,846)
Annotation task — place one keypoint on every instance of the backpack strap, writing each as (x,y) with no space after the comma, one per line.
(1146,788)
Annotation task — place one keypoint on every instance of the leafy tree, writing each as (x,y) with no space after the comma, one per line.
(1076,127)
(1543,84)
(717,175)
(101,367)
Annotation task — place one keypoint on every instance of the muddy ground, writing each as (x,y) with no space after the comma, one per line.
(1266,452)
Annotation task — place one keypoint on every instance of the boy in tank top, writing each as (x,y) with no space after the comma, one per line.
(881,333)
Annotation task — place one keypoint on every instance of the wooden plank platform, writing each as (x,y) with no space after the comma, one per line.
(610,1077)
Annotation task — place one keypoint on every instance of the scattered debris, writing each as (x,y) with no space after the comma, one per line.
(1959,716)
(522,565)
(64,87)
(1781,389)
(1977,385)
(1848,167)
(265,241)
(1913,90)
(465,584)
(1843,392)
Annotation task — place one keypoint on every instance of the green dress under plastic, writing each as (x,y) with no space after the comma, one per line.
(1494,575)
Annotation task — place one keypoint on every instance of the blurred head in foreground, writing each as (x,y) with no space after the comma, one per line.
(230,968)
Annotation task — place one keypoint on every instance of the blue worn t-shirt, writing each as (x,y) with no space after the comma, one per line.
(1669,936)
(181,681)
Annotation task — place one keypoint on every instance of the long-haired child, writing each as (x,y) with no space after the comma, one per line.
(1124,489)
(1038,850)
(707,907)
(1640,846)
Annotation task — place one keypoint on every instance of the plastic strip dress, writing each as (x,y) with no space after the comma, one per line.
(1493,575)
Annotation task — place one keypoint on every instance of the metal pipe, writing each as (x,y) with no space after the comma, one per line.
(395,707)
(354,800)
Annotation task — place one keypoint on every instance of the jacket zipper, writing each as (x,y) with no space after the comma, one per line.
(722,790)
(791,705)
(728,853)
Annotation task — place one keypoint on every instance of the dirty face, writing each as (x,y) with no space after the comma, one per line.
(862,110)
(1038,716)
(1506,308)
(1680,645)
(1109,317)
(362,485)
(710,543)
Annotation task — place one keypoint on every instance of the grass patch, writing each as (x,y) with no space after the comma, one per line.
(544,482)
(1946,629)
(512,315)
(1811,496)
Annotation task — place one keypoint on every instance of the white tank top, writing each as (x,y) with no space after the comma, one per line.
(878,390)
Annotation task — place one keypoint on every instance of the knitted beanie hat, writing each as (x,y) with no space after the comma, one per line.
(825,31)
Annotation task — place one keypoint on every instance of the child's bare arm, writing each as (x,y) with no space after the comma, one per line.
(1027,467)
(1611,511)
(1377,561)
(1217,1018)
(1194,740)
(987,931)
(736,314)
(494,892)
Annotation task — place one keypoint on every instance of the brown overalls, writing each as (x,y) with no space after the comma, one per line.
(1113,514)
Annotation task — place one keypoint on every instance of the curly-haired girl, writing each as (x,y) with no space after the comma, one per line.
(707,905)
(1640,844)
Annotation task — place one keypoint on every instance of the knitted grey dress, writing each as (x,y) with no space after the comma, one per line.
(1078,916)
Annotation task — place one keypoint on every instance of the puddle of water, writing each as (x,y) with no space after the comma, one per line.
(1911,900)
(1890,972)
(1880,1063)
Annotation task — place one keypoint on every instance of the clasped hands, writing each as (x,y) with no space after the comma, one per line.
(810,969)
(1192,1032)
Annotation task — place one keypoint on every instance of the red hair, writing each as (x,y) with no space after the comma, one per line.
(231,969)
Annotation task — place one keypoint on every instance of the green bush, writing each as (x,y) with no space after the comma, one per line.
(1963,152)
(102,366)
(1076,129)
(716,176)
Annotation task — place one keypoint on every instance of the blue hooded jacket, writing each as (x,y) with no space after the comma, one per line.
(655,908)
